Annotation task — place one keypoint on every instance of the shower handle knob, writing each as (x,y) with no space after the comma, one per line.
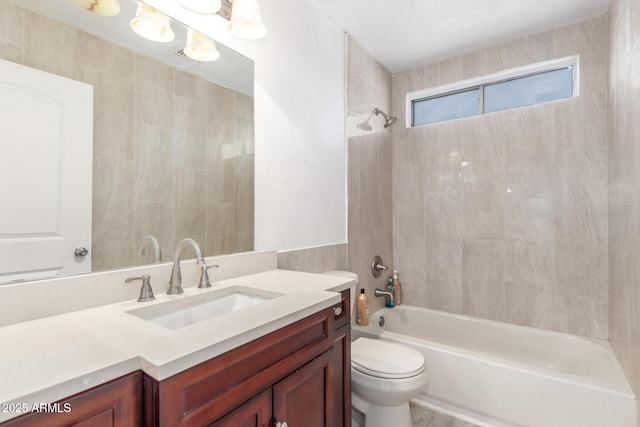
(80,252)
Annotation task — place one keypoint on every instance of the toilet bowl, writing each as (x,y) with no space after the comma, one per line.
(384,377)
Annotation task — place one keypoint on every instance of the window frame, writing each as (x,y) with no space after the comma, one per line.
(499,77)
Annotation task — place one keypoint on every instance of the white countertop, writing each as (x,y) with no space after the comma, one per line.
(47,359)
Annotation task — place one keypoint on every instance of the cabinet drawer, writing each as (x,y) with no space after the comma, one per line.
(208,391)
(343,308)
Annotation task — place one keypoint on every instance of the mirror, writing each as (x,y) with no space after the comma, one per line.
(173,139)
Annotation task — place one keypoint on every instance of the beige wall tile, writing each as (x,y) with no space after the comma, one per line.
(243,203)
(11,52)
(154,105)
(220,112)
(220,232)
(483,202)
(189,203)
(402,83)
(581,210)
(154,171)
(42,39)
(156,219)
(530,154)
(111,254)
(334,257)
(190,133)
(11,24)
(503,191)
(408,185)
(112,200)
(107,57)
(589,40)
(190,86)
(581,122)
(150,71)
(113,130)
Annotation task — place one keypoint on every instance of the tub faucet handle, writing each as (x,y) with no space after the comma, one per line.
(377,267)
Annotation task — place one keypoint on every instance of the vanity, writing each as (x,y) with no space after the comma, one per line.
(284,358)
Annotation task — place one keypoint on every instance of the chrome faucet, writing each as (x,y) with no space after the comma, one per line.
(146,240)
(381,293)
(175,283)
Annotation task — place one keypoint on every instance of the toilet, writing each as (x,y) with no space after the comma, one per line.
(384,377)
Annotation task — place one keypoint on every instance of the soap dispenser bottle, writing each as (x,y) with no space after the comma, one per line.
(392,300)
(363,309)
(396,287)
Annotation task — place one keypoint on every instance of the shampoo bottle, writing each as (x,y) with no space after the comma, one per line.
(363,309)
(396,287)
(392,301)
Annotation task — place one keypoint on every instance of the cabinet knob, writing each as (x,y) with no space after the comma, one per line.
(282,425)
(337,311)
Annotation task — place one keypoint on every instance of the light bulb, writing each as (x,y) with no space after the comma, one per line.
(152,25)
(246,22)
(200,47)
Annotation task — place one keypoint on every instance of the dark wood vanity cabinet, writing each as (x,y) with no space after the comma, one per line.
(299,374)
(117,403)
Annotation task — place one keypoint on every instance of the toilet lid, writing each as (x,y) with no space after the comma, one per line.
(385,359)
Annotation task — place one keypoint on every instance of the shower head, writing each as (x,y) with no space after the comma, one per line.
(389,120)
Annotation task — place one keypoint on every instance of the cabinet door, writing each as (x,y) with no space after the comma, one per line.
(254,413)
(306,397)
(342,376)
(114,404)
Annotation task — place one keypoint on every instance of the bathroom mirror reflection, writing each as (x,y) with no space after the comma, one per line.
(173,138)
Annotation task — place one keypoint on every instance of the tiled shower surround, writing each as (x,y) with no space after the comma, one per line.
(624,186)
(172,153)
(369,169)
(504,215)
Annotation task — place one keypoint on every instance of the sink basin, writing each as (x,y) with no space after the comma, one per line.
(187,310)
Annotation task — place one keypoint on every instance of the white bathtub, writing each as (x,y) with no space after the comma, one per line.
(498,374)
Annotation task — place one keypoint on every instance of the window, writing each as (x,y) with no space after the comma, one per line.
(536,84)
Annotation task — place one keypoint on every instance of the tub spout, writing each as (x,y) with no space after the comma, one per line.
(381,293)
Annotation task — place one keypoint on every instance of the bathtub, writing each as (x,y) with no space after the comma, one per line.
(497,374)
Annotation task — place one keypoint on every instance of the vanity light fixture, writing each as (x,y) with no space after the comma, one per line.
(246,22)
(200,47)
(152,25)
(205,7)
(100,7)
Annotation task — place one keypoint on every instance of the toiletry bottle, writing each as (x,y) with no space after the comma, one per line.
(396,287)
(392,301)
(363,309)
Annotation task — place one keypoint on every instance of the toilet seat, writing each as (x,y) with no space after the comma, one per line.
(384,359)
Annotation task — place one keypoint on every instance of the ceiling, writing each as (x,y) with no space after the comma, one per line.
(402,35)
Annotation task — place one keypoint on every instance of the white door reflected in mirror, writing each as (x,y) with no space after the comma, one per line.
(46,174)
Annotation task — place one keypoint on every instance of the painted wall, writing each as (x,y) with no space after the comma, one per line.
(624,186)
(300,189)
(504,216)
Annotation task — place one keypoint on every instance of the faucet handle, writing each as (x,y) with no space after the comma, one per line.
(146,292)
(204,276)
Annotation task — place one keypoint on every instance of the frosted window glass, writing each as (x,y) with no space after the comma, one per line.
(535,89)
(446,107)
